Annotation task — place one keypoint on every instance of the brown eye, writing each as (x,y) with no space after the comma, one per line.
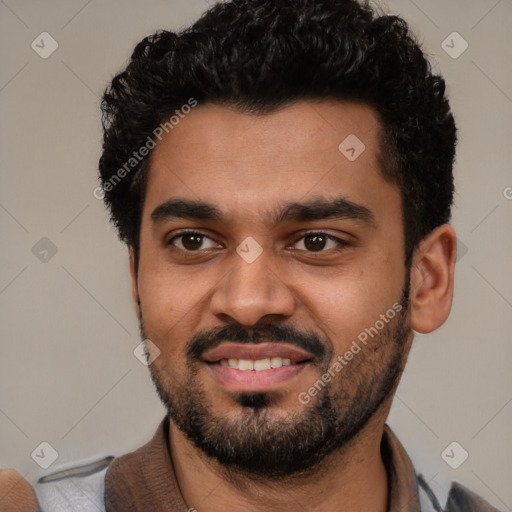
(315,242)
(318,242)
(190,241)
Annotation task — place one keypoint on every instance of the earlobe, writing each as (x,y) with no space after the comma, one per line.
(133,275)
(432,276)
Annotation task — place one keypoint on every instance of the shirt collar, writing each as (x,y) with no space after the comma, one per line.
(402,482)
(147,476)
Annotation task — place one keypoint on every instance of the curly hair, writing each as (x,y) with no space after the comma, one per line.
(260,55)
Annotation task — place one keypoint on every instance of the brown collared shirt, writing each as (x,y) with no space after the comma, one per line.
(144,481)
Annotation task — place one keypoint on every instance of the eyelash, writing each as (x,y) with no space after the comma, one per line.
(341,243)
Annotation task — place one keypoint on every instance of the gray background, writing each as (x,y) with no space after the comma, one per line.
(68,375)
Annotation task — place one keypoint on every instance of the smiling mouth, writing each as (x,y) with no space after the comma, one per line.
(256,367)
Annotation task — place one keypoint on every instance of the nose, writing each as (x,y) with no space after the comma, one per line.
(251,291)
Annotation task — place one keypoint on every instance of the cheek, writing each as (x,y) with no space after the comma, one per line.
(163,290)
(345,305)
(173,303)
(164,304)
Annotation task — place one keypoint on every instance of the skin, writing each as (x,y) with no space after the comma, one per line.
(245,165)
(16,494)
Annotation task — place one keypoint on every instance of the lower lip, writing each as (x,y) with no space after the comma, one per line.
(255,381)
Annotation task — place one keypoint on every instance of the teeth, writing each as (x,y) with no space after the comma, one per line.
(258,365)
(262,364)
(276,362)
(245,364)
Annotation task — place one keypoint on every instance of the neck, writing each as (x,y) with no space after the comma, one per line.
(353,479)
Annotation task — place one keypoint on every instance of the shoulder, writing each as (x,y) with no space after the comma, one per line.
(84,493)
(124,475)
(461,499)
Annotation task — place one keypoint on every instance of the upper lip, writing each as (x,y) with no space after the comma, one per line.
(255,351)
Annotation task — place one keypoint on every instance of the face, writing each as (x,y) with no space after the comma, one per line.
(271,278)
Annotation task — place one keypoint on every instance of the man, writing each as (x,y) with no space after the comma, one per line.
(281,173)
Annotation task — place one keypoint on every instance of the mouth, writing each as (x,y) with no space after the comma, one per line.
(256,367)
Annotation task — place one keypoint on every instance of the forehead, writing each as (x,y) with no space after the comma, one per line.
(246,162)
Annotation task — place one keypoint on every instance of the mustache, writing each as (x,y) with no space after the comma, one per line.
(307,340)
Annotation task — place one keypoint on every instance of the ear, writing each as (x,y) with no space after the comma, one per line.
(432,276)
(133,275)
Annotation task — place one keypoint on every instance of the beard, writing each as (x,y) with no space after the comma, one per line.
(256,441)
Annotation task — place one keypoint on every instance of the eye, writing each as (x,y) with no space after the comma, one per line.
(319,241)
(190,241)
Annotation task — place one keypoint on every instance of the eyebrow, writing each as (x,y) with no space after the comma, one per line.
(319,209)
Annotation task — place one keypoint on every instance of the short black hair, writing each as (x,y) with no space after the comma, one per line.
(260,55)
